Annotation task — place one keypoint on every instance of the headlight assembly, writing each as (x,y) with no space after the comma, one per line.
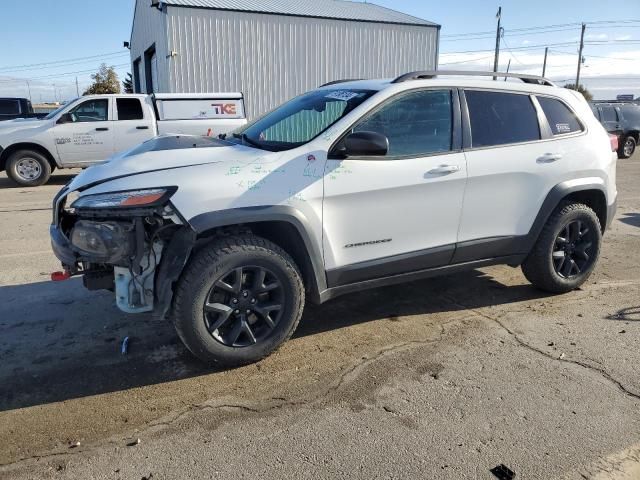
(129,199)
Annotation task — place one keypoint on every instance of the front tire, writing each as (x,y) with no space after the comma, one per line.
(567,250)
(28,168)
(627,148)
(238,300)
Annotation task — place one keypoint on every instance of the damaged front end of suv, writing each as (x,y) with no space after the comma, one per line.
(133,243)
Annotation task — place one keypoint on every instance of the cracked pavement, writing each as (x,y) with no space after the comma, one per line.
(442,378)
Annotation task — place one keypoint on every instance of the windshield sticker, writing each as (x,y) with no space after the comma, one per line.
(344,95)
(563,128)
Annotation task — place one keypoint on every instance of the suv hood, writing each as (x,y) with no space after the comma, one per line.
(164,153)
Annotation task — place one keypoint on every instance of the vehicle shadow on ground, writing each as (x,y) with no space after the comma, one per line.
(59,341)
(632,219)
(54,180)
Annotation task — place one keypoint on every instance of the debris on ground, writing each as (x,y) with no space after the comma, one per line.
(134,443)
(502,472)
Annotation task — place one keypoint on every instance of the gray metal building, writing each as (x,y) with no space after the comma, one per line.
(272,50)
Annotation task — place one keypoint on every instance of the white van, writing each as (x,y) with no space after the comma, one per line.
(92,128)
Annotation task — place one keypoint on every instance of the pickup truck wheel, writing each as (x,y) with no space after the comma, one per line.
(566,251)
(238,300)
(628,147)
(28,168)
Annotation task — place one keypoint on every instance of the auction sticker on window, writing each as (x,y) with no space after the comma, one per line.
(344,95)
(563,128)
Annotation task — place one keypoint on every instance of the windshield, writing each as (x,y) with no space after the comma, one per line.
(59,109)
(301,119)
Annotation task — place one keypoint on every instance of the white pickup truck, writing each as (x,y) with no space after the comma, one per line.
(92,128)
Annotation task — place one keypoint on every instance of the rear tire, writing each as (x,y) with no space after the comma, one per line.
(566,251)
(238,300)
(28,168)
(627,148)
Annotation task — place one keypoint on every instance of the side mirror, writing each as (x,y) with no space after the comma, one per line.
(366,144)
(65,118)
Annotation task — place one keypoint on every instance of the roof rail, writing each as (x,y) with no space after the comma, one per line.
(339,81)
(422,75)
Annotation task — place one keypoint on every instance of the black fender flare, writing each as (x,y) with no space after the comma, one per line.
(279,213)
(551,202)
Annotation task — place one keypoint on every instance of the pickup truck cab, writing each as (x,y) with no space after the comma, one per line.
(91,129)
(11,108)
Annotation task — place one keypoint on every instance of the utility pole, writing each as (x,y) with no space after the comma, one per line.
(77,88)
(580,56)
(544,65)
(508,67)
(497,56)
(29,88)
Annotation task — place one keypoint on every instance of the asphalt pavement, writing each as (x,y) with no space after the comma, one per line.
(445,378)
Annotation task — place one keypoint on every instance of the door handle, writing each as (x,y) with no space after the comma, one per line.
(549,158)
(142,128)
(444,169)
(102,129)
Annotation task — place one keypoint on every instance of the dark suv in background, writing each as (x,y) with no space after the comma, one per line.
(622,120)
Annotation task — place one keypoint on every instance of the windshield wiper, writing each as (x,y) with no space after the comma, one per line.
(245,138)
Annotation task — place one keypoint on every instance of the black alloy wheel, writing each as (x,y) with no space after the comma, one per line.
(244,306)
(571,254)
(238,299)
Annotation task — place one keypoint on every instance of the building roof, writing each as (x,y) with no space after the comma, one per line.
(335,9)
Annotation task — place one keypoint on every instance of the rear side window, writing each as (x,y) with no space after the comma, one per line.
(129,109)
(501,118)
(631,113)
(419,123)
(560,118)
(9,107)
(609,114)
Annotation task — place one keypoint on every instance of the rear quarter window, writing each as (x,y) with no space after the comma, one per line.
(560,117)
(499,118)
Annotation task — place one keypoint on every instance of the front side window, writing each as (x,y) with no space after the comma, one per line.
(418,123)
(301,119)
(129,109)
(609,114)
(91,111)
(560,118)
(499,118)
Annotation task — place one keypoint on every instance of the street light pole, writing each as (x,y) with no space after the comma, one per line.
(544,65)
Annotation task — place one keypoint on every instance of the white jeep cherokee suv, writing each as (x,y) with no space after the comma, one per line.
(354,185)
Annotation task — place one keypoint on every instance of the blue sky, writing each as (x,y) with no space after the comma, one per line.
(44,31)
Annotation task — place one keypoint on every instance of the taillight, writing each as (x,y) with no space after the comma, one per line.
(614,142)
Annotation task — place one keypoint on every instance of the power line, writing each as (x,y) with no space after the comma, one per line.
(58,75)
(62,65)
(60,61)
(467,61)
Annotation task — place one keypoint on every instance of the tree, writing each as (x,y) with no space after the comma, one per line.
(127,84)
(105,80)
(582,89)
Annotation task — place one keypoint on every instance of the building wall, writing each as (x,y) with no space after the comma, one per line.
(271,58)
(149,28)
